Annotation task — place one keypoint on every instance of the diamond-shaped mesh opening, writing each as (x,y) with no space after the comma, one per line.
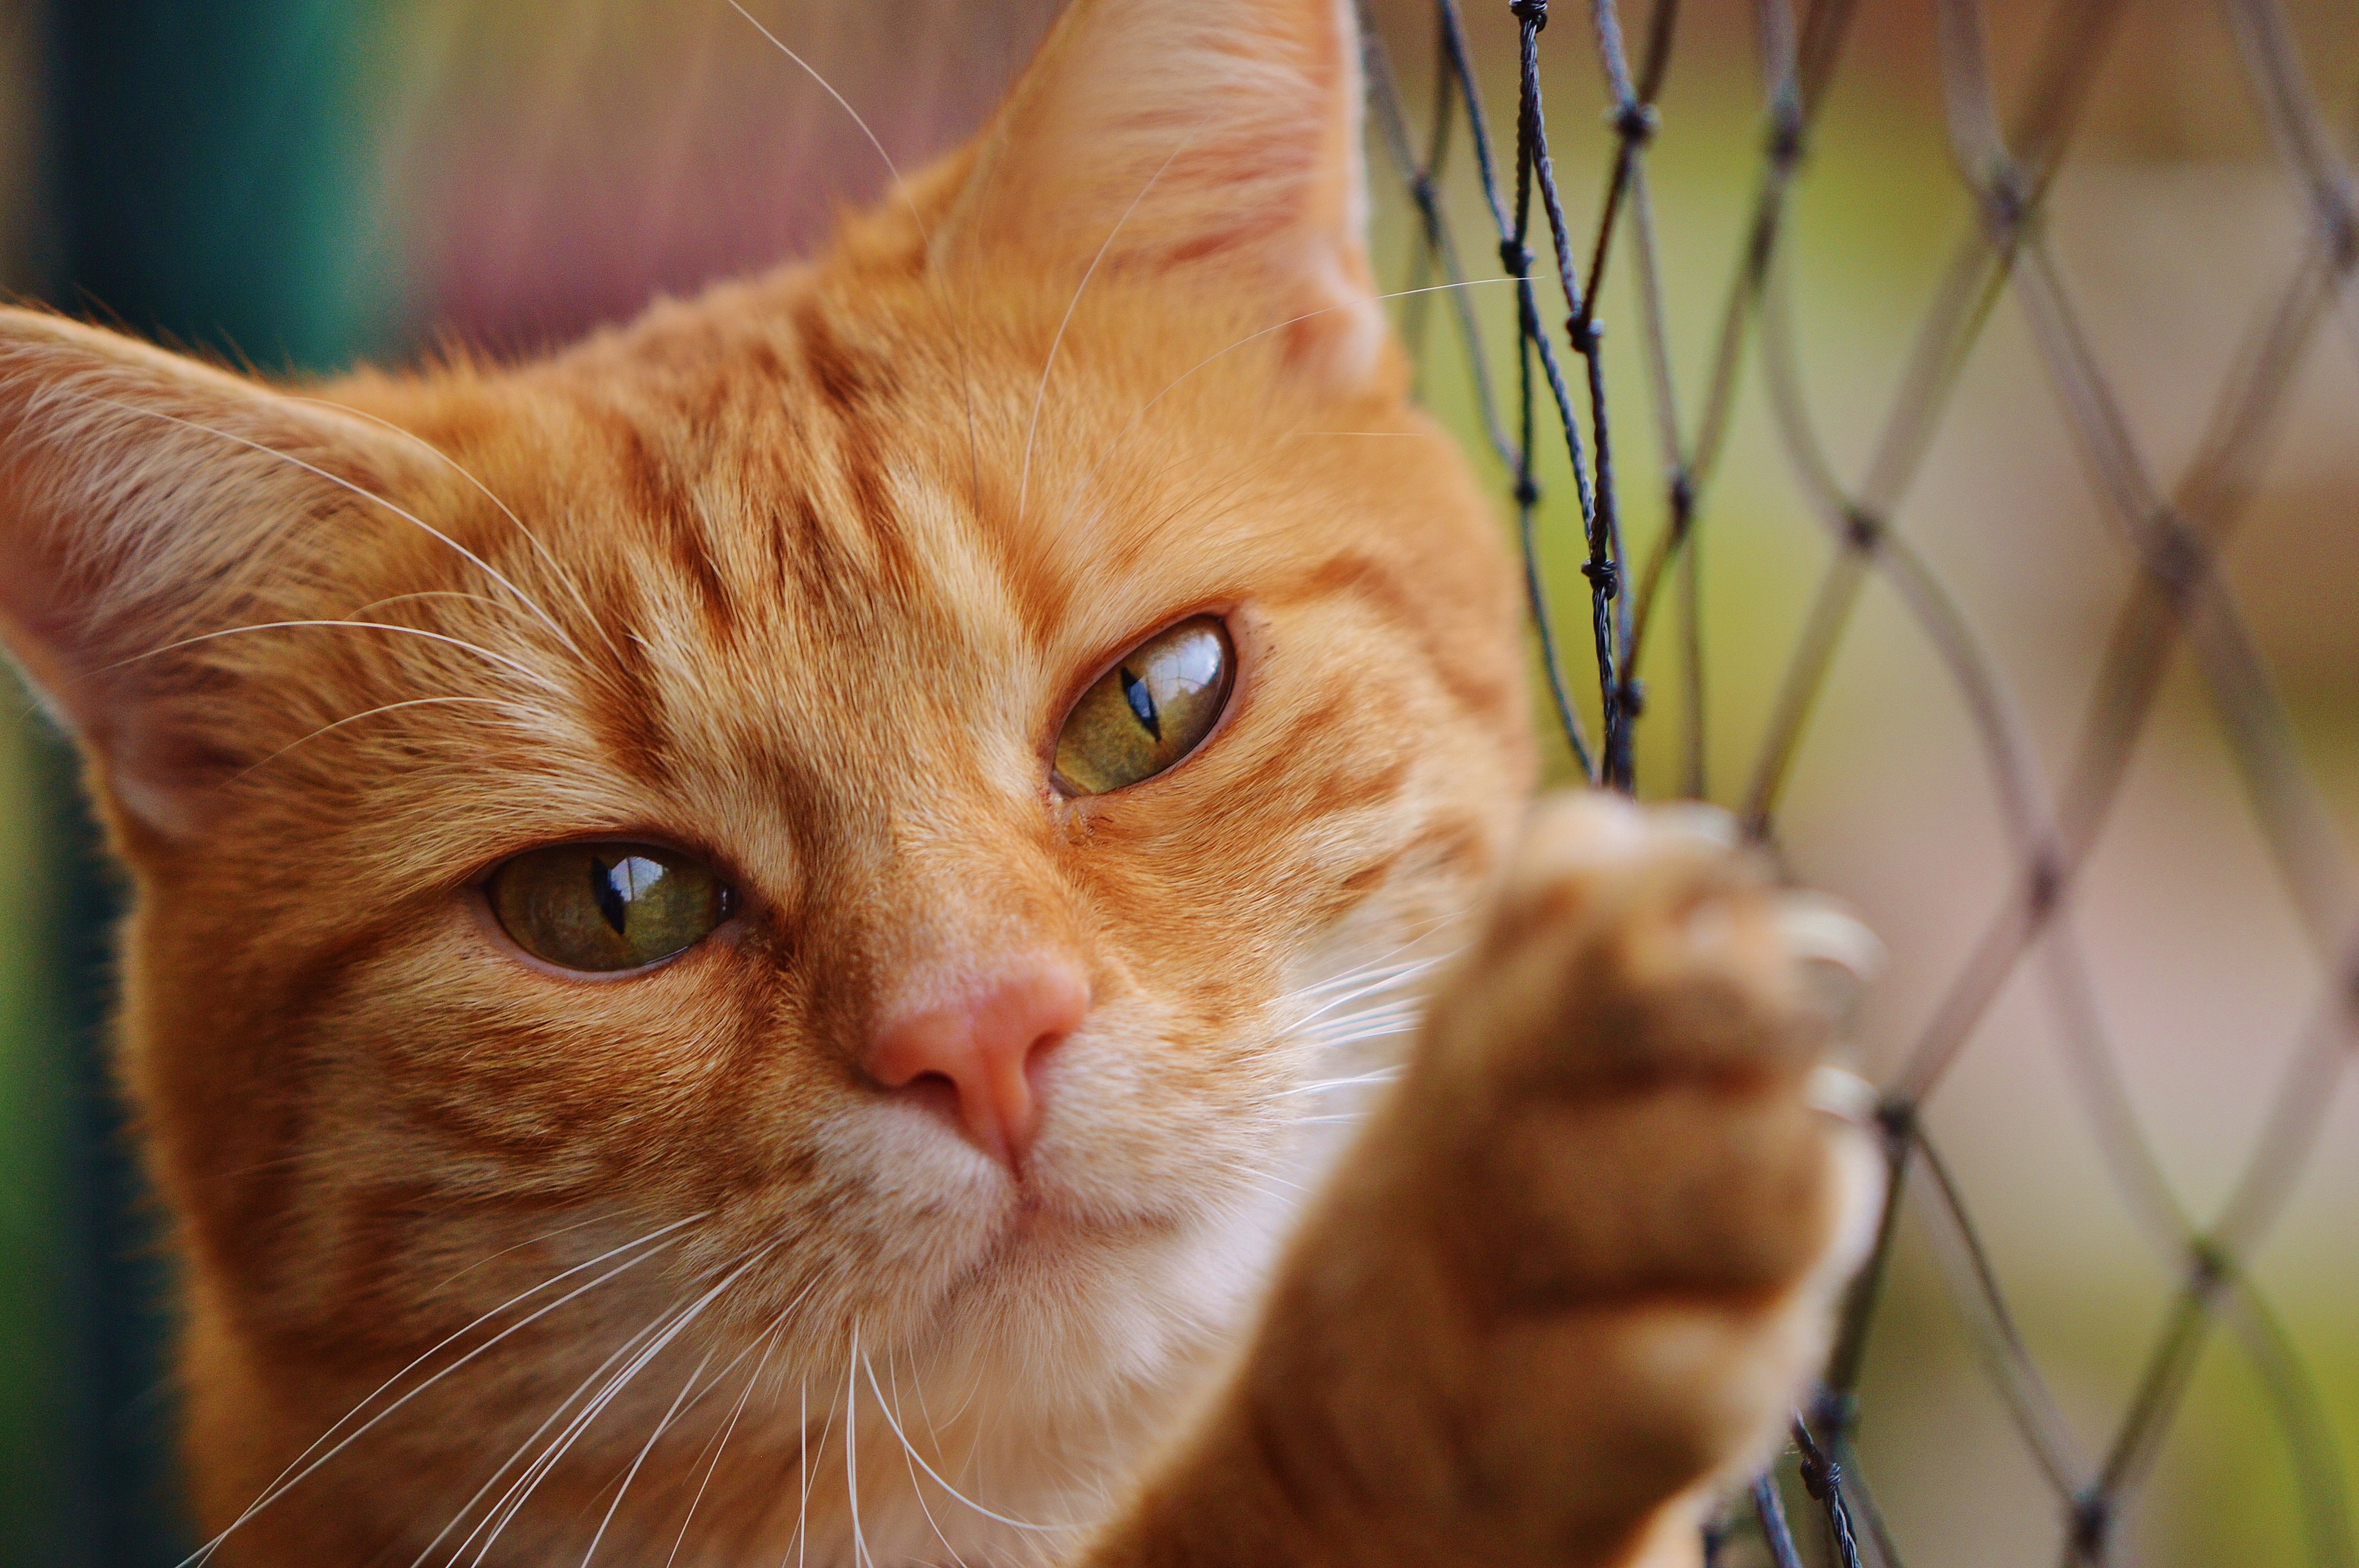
(2143,805)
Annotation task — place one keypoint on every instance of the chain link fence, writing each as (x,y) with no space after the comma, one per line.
(1644,609)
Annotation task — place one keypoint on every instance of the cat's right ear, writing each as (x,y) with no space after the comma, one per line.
(146,499)
(1213,145)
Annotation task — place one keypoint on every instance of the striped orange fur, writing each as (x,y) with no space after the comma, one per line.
(486,1262)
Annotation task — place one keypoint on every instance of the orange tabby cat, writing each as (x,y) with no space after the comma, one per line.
(744,935)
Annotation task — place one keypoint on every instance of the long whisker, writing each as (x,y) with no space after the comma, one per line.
(851,1450)
(373,604)
(371,713)
(559,1412)
(526,671)
(953,1491)
(1388,1006)
(829,87)
(291,1475)
(1041,393)
(770,1343)
(1387,1028)
(1356,975)
(531,1438)
(1380,1076)
(1399,977)
(645,1449)
(1252,1176)
(342,483)
(909,1456)
(934,1429)
(802,1460)
(572,587)
(925,237)
(495,1257)
(606,1396)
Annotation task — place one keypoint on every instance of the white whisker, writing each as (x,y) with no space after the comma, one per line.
(1370,1024)
(1381,1075)
(291,1477)
(495,1257)
(953,1491)
(890,167)
(1041,393)
(534,1436)
(1398,978)
(372,713)
(769,1340)
(645,1449)
(482,599)
(540,1468)
(413,519)
(802,1457)
(629,1347)
(851,1449)
(925,237)
(909,1456)
(527,671)
(571,586)
(721,1443)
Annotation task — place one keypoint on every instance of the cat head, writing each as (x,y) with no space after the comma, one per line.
(853,803)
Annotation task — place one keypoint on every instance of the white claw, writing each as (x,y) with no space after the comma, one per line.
(1818,930)
(1841,1094)
(1699,820)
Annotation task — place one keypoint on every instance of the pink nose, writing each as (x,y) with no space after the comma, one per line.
(978,1053)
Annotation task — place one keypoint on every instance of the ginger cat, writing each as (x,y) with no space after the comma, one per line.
(747,937)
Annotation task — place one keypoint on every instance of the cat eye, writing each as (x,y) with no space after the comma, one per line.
(602,907)
(1151,709)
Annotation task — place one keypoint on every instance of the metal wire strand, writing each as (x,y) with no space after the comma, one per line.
(2007,167)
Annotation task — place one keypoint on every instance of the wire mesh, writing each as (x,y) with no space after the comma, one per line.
(2173,534)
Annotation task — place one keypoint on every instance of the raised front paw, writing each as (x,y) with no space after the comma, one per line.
(1617,1142)
(1582,1265)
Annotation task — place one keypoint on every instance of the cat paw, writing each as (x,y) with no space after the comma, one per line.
(1579,1266)
(1619,1167)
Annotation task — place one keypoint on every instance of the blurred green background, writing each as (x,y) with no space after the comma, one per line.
(299,183)
(190,169)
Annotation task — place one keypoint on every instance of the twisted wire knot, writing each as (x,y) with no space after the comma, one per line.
(2093,1519)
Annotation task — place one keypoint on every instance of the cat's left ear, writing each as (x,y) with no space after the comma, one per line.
(1216,143)
(148,502)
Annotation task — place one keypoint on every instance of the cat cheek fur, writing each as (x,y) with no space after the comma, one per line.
(799,573)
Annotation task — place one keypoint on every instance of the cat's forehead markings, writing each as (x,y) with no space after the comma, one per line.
(851,381)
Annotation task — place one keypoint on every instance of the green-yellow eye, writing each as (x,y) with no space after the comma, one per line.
(602,907)
(1149,710)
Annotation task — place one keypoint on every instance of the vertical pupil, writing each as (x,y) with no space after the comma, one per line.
(606,885)
(1142,703)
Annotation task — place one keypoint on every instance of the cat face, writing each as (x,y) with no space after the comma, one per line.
(993,1026)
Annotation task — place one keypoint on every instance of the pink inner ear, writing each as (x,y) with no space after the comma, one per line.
(1214,135)
(145,499)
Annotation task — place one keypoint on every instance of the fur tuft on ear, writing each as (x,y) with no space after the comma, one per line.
(1216,143)
(146,499)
